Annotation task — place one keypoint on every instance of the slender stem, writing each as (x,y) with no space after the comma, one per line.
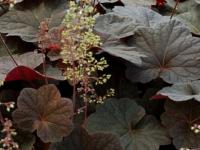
(8,50)
(74,79)
(197,119)
(74,94)
(44,69)
(174,9)
(1,118)
(86,109)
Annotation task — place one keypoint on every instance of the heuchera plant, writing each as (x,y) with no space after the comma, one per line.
(100,75)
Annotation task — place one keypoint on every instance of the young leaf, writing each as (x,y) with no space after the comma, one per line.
(45,111)
(81,140)
(182,91)
(172,54)
(25,23)
(127,119)
(178,118)
(23,73)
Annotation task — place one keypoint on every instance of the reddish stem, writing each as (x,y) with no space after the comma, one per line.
(174,10)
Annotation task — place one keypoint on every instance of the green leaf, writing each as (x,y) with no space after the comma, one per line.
(182,91)
(77,140)
(127,119)
(104,141)
(153,107)
(45,111)
(172,54)
(81,140)
(26,23)
(191,19)
(178,118)
(26,141)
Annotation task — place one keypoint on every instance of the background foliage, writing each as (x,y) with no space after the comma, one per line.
(100,75)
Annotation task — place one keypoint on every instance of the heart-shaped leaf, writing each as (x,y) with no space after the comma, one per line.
(81,140)
(127,119)
(29,59)
(45,111)
(26,23)
(178,118)
(172,54)
(192,19)
(182,91)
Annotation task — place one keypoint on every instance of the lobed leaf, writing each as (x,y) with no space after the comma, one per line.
(126,119)
(45,111)
(26,23)
(171,54)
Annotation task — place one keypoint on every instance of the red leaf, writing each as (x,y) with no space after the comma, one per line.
(158,97)
(160,3)
(23,73)
(54,47)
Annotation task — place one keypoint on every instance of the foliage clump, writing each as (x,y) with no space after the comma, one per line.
(58,58)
